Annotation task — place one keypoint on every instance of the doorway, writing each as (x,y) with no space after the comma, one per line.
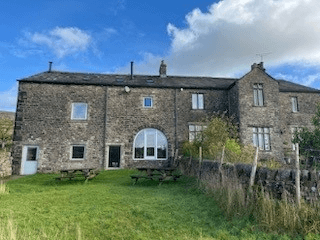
(114,156)
(29,163)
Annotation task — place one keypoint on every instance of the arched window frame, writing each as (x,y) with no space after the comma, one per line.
(145,157)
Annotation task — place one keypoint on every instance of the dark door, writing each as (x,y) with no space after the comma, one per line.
(114,156)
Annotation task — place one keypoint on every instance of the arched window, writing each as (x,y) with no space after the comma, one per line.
(150,144)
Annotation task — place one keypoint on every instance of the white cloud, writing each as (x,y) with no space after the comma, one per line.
(8,99)
(63,41)
(226,40)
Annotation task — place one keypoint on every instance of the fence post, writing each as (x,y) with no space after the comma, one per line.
(220,167)
(175,157)
(298,196)
(254,169)
(200,161)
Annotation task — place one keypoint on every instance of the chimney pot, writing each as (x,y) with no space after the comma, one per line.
(131,70)
(50,65)
(163,69)
(258,65)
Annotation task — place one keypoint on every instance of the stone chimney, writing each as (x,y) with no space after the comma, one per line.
(258,65)
(163,69)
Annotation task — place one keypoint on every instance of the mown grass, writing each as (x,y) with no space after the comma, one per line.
(111,207)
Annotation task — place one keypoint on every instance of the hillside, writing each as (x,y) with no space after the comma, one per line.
(4,114)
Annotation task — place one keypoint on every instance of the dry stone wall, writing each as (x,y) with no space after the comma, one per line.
(280,182)
(5,164)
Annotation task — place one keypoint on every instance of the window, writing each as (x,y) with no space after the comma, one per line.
(261,138)
(32,153)
(78,152)
(79,111)
(147,102)
(197,101)
(294,101)
(195,132)
(293,130)
(150,144)
(257,94)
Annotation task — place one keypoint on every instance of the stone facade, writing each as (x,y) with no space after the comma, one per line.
(116,114)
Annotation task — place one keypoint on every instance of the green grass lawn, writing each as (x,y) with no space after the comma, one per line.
(111,207)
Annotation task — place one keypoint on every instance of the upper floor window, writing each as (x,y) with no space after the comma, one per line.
(261,138)
(197,101)
(294,101)
(258,94)
(147,102)
(79,111)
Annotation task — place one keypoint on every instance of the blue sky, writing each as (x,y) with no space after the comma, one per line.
(199,38)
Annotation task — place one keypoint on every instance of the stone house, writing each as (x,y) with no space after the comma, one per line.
(71,120)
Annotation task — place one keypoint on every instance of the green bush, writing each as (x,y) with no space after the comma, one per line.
(220,132)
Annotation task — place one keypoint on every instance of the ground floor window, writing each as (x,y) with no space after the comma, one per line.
(150,144)
(195,132)
(293,131)
(261,138)
(77,152)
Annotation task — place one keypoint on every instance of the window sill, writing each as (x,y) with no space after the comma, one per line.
(143,159)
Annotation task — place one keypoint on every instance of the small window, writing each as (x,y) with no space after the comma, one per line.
(261,138)
(197,101)
(32,154)
(78,152)
(79,111)
(294,101)
(257,94)
(147,102)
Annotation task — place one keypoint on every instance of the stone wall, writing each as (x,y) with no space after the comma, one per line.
(5,164)
(267,115)
(279,182)
(44,119)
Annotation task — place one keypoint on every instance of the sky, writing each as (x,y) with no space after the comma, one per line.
(195,38)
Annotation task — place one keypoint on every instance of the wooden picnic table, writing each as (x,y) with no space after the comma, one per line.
(157,173)
(87,173)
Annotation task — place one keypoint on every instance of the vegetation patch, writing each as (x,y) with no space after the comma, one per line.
(111,207)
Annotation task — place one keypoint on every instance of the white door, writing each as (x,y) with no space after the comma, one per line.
(29,161)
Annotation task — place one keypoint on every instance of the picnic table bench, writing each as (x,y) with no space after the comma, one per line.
(87,173)
(158,173)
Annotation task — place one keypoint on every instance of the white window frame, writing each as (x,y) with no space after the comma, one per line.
(294,102)
(197,101)
(84,152)
(78,104)
(144,103)
(261,138)
(258,99)
(195,131)
(145,157)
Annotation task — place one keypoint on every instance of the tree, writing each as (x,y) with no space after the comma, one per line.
(309,140)
(219,131)
(6,128)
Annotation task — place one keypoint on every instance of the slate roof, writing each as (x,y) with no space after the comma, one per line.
(56,77)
